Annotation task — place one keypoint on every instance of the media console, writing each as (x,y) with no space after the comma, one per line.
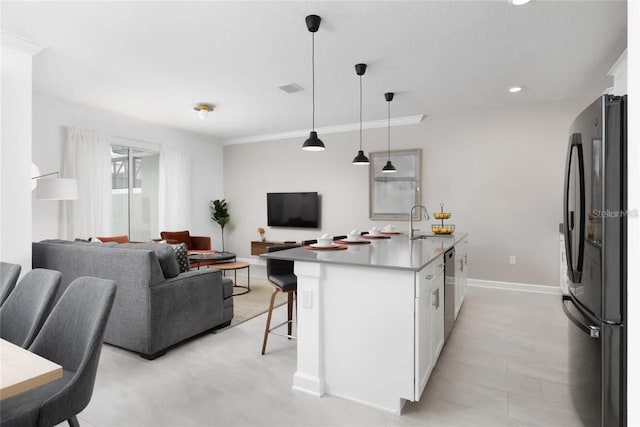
(259,248)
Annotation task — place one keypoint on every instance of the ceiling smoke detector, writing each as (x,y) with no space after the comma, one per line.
(291,88)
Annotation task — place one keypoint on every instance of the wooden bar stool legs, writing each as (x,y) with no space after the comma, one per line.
(266,329)
(289,312)
(291,304)
(280,273)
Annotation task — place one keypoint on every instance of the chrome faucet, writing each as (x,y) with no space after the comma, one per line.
(426,217)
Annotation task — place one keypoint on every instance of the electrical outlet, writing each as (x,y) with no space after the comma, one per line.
(307,299)
(512,260)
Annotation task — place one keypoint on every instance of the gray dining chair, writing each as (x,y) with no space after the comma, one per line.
(9,274)
(71,337)
(26,309)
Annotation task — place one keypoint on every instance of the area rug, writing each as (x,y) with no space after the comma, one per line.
(254,303)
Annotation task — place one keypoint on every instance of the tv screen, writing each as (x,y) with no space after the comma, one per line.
(293,210)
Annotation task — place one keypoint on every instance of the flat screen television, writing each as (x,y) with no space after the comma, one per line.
(293,210)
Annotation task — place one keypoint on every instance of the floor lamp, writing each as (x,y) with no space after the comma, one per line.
(53,188)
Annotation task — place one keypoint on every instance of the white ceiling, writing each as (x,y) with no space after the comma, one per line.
(155,60)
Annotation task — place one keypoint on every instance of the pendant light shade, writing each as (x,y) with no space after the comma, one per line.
(360,159)
(313,143)
(389,168)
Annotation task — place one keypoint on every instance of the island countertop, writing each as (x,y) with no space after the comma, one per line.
(398,252)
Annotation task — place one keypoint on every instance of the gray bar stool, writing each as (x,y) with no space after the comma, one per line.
(280,274)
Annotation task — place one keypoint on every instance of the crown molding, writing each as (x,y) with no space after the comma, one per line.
(398,121)
(21,43)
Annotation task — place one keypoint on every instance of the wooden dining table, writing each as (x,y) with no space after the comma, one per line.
(22,370)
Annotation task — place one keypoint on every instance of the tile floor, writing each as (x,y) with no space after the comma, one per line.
(505,364)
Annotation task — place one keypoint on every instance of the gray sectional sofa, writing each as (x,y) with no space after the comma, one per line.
(155,305)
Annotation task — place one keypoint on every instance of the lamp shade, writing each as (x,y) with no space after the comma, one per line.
(313,143)
(361,159)
(57,189)
(389,168)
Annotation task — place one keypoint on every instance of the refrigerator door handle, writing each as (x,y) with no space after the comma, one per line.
(568,215)
(572,219)
(593,331)
(575,274)
(583,214)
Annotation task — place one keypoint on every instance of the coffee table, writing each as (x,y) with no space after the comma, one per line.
(224,261)
(206,258)
(235,266)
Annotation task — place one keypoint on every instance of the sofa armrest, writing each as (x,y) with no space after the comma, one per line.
(201,243)
(184,306)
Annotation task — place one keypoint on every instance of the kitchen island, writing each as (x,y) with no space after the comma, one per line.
(370,319)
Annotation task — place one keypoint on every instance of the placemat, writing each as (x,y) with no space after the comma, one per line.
(356,242)
(338,247)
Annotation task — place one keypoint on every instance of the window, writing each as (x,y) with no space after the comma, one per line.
(134,184)
(391,196)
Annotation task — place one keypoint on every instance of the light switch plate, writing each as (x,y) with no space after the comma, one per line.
(307,299)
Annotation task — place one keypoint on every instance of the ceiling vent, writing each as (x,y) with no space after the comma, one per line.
(291,88)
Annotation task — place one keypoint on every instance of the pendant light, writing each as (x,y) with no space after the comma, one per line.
(389,168)
(361,159)
(313,143)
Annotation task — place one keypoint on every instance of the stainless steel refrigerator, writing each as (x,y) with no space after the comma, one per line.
(595,212)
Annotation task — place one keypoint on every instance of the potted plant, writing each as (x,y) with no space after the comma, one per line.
(220,214)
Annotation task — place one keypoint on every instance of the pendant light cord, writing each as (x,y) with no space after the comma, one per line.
(360,113)
(313,82)
(389,130)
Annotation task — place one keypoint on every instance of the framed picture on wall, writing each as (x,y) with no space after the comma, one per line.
(391,195)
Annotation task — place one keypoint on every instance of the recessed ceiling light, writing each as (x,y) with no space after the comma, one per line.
(515,89)
(519,2)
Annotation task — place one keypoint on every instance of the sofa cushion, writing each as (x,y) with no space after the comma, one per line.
(178,237)
(166,256)
(118,239)
(58,241)
(181,256)
(100,244)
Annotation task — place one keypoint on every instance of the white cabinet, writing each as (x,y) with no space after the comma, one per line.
(437,317)
(429,322)
(462,264)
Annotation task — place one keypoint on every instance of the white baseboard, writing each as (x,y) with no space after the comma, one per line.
(308,384)
(514,286)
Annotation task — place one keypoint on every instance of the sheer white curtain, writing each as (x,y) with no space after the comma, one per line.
(174,190)
(87,157)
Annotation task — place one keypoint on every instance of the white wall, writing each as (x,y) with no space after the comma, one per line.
(499,171)
(15,150)
(50,116)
